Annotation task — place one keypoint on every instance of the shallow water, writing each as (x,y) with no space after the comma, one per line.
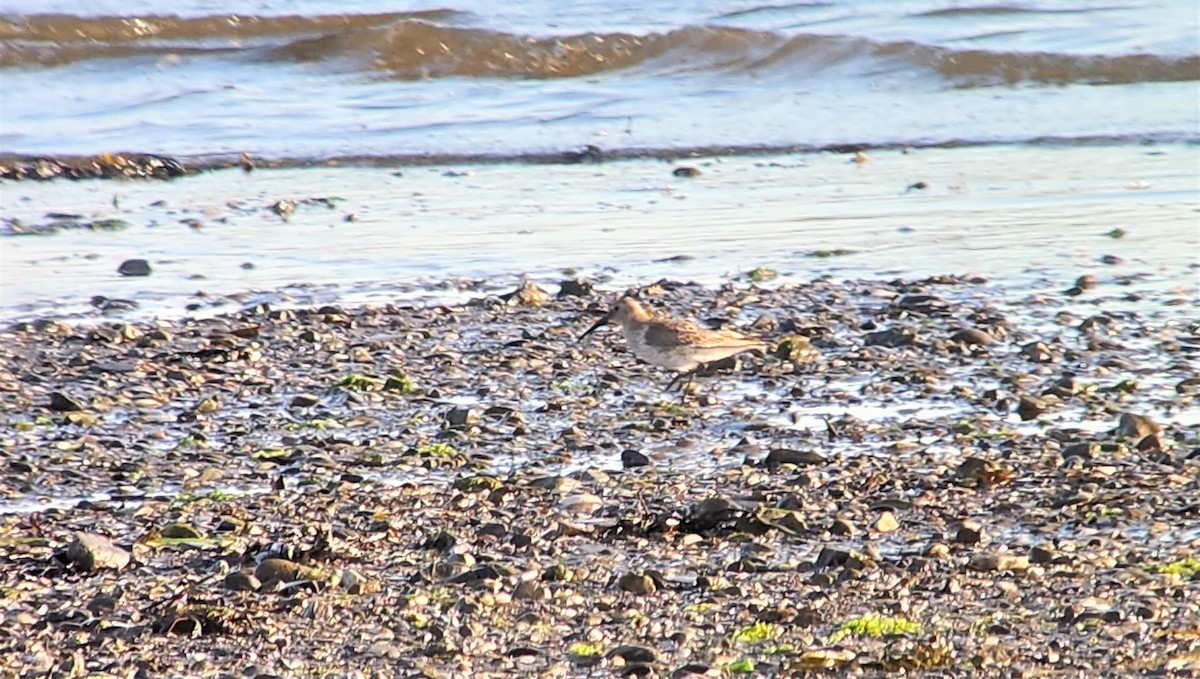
(1035,216)
(318,79)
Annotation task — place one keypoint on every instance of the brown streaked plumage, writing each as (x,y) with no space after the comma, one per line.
(673,344)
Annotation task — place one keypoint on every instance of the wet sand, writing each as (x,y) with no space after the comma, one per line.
(391,460)
(1039,216)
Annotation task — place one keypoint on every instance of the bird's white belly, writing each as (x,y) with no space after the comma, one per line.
(678,358)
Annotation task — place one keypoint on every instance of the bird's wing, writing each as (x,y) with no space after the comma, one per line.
(668,334)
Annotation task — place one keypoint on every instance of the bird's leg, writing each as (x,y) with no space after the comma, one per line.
(685,377)
(687,382)
(674,381)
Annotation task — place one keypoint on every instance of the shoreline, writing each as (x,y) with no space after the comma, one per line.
(1034,219)
(145,165)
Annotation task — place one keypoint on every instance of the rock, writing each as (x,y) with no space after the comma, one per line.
(1038,352)
(998,562)
(886,523)
(1087,450)
(927,305)
(637,583)
(779,456)
(797,349)
(581,503)
(305,400)
(1045,555)
(686,172)
(713,511)
(1029,408)
(491,571)
(529,294)
(1189,386)
(789,521)
(766,323)
(273,571)
(696,670)
(1136,427)
(1152,444)
(461,417)
(354,582)
(1085,282)
(973,472)
(632,654)
(529,590)
(938,550)
(241,581)
(843,526)
(968,531)
(631,458)
(576,287)
(90,552)
(62,403)
(891,338)
(556,573)
(971,337)
(1064,387)
(134,267)
(831,557)
(284,208)
(182,531)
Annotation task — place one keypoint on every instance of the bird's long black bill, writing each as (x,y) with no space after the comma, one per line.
(603,320)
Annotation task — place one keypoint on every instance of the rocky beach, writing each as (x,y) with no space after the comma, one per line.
(935,475)
(292,381)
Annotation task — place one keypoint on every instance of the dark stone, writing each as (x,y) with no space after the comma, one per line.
(969,531)
(1043,555)
(927,305)
(577,287)
(630,654)
(971,337)
(892,338)
(305,400)
(831,557)
(441,542)
(715,510)
(89,552)
(686,172)
(843,526)
(780,456)
(134,267)
(62,403)
(461,417)
(1029,408)
(632,458)
(486,572)
(239,581)
(1038,352)
(1084,449)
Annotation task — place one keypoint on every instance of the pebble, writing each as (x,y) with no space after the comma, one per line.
(91,552)
(886,523)
(999,562)
(637,583)
(134,267)
(632,458)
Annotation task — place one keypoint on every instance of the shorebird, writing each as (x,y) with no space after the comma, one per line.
(673,344)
